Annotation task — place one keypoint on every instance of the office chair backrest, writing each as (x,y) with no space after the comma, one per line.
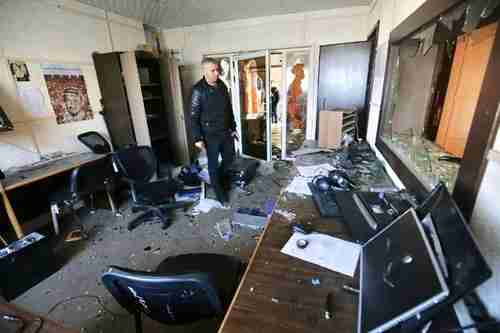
(95,142)
(137,164)
(173,299)
(92,177)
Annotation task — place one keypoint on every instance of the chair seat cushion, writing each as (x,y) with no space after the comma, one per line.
(226,271)
(157,192)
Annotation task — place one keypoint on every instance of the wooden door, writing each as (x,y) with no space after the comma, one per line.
(178,117)
(114,99)
(471,58)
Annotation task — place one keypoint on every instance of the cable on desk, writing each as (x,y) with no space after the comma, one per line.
(476,325)
(97,298)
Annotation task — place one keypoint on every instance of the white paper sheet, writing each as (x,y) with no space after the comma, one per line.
(32,100)
(314,170)
(332,253)
(299,186)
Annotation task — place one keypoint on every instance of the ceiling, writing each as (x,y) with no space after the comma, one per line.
(178,13)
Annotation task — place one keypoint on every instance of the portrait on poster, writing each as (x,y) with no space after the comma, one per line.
(68,93)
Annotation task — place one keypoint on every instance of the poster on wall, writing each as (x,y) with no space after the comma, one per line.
(19,71)
(68,93)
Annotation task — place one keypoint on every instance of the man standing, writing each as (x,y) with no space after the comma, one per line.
(213,125)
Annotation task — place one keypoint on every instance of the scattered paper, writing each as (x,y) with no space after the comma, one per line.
(290,216)
(314,170)
(299,186)
(204,176)
(206,205)
(332,253)
(225,229)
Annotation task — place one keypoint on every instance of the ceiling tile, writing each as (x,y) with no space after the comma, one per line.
(177,13)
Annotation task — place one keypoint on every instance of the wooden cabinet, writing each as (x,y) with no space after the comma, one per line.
(334,125)
(471,58)
(142,101)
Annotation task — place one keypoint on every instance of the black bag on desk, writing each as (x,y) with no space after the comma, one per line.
(25,263)
(243,170)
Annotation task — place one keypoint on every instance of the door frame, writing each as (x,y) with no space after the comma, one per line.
(237,103)
(284,94)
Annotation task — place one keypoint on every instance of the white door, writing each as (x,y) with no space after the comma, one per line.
(295,91)
(252,101)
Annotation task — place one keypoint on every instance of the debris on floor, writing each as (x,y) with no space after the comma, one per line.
(206,205)
(290,216)
(275,300)
(225,229)
(252,218)
(269,205)
(188,195)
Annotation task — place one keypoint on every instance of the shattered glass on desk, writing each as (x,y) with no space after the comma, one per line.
(421,156)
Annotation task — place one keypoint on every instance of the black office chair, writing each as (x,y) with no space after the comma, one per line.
(183,289)
(95,142)
(86,180)
(137,166)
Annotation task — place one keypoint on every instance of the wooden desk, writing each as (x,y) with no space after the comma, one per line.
(29,318)
(23,178)
(276,293)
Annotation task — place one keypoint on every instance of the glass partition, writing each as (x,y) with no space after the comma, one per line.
(434,78)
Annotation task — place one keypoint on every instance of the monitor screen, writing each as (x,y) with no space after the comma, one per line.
(400,275)
(5,123)
(466,267)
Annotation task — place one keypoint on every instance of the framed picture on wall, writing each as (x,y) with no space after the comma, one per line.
(19,71)
(5,123)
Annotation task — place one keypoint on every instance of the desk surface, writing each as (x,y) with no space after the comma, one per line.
(48,325)
(22,178)
(276,293)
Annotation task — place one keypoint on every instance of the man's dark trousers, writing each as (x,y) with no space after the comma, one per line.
(222,144)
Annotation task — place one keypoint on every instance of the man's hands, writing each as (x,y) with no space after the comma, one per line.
(200,145)
(234,134)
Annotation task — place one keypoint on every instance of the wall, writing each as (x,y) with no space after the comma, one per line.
(54,32)
(485,221)
(273,32)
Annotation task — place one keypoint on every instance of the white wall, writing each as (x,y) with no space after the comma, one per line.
(54,32)
(273,32)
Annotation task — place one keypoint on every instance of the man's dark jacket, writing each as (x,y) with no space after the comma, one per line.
(211,110)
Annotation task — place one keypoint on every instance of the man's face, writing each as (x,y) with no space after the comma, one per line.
(211,72)
(72,102)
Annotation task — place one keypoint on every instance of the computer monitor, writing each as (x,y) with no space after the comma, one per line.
(5,123)
(431,201)
(399,275)
(466,267)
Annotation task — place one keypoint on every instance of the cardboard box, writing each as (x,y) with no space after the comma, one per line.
(330,129)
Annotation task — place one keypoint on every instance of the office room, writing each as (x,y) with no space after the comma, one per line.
(263,166)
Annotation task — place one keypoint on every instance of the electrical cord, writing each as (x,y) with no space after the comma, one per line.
(97,298)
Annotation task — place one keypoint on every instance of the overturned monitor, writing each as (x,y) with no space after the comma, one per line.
(464,266)
(400,276)
(5,123)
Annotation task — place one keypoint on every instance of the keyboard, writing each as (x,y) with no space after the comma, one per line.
(325,202)
(367,213)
